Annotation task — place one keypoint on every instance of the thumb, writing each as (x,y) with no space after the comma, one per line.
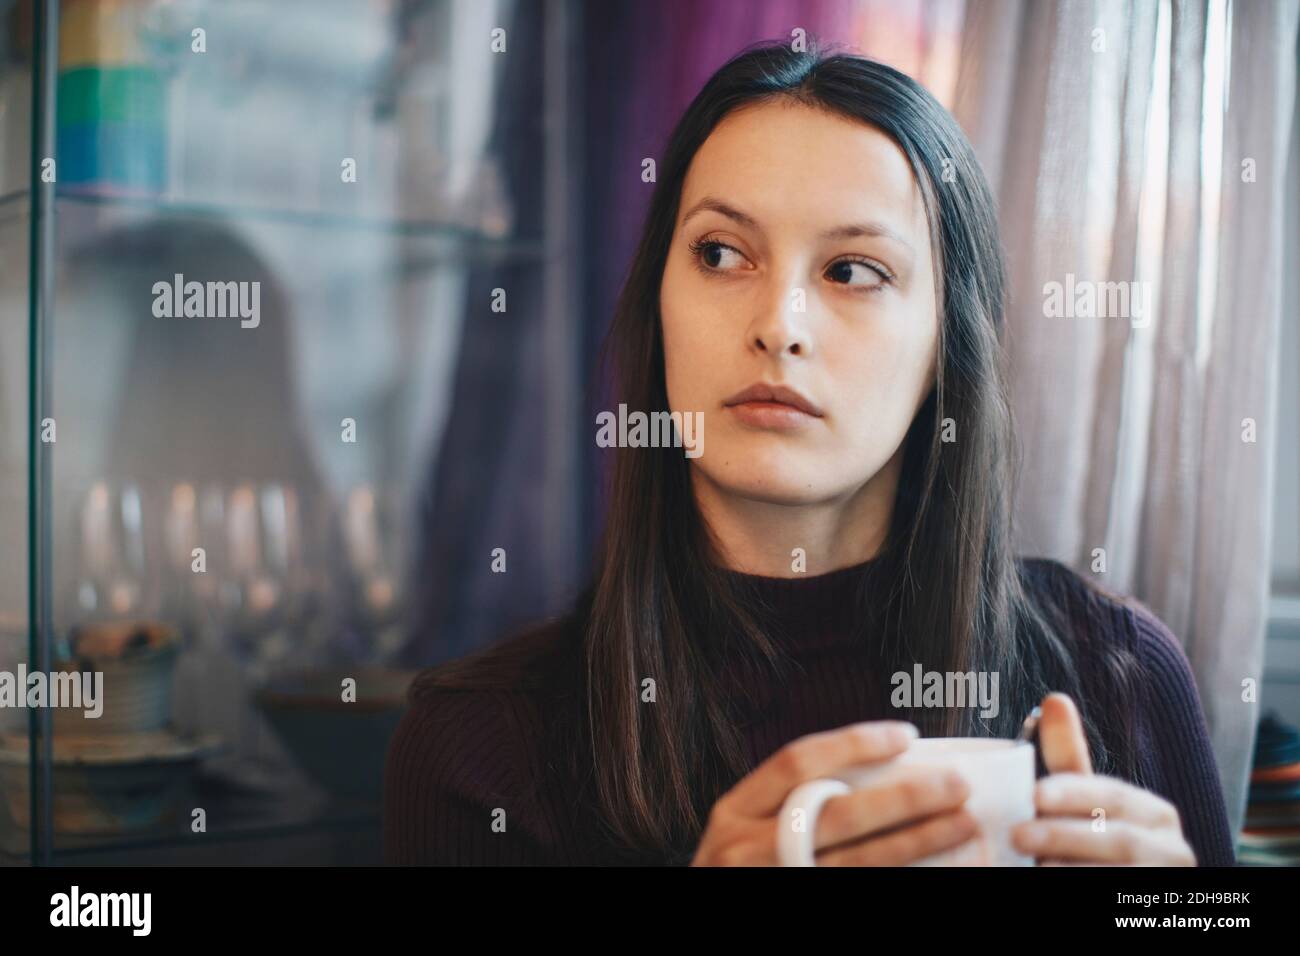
(1061,739)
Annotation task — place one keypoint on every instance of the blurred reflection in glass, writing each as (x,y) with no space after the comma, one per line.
(205,422)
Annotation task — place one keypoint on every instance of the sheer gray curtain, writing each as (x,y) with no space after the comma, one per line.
(1147,144)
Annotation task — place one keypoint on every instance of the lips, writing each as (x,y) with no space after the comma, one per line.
(779,395)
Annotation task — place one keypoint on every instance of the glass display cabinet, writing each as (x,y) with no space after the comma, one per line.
(278,276)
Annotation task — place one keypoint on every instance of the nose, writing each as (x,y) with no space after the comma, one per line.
(780,328)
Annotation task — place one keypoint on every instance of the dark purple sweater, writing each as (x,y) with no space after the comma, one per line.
(462,761)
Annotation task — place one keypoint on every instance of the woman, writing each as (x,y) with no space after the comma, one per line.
(820,279)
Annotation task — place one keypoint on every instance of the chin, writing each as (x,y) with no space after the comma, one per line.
(776,483)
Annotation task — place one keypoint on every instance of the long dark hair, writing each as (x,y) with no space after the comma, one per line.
(952,596)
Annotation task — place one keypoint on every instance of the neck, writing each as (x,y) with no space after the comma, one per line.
(767,538)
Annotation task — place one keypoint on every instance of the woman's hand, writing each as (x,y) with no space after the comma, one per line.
(1138,827)
(888,824)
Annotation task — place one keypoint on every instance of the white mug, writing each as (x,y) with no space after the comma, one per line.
(1001,778)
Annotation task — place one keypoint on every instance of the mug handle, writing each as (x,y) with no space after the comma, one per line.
(796,847)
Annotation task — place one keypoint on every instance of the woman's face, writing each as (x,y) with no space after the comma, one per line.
(800,261)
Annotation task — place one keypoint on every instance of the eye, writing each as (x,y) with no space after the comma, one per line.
(870,274)
(710,255)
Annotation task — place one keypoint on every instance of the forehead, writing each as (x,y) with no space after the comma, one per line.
(787,163)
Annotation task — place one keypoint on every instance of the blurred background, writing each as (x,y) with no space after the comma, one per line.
(438,200)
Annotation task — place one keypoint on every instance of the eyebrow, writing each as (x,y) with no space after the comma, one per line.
(847,231)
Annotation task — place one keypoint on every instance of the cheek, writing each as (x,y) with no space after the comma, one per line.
(691,337)
(881,371)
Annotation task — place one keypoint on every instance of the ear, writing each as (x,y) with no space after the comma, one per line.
(1062,741)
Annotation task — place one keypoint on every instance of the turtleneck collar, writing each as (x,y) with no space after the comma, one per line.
(813,611)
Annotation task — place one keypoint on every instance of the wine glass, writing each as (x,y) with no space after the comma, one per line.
(111,575)
(261,542)
(372,547)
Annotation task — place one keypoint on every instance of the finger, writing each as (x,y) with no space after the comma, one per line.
(750,844)
(761,792)
(1062,740)
(942,832)
(1077,795)
(911,793)
(1120,844)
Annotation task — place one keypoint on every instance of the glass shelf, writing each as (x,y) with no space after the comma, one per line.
(420,244)
(306,218)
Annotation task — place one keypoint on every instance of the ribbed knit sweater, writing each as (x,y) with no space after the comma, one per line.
(470,778)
